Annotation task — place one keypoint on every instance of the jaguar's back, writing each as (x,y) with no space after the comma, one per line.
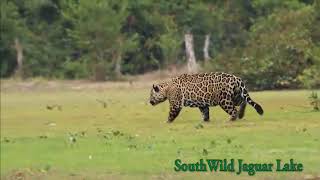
(208,89)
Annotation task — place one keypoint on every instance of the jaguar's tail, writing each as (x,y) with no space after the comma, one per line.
(247,98)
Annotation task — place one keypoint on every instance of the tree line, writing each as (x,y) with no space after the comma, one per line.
(269,43)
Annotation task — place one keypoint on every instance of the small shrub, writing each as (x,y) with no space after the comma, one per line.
(205,152)
(314,101)
(199,126)
(75,70)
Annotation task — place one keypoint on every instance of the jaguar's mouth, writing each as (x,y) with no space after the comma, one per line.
(152,103)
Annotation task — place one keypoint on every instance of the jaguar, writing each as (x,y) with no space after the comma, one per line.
(203,90)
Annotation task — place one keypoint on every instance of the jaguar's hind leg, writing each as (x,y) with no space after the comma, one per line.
(229,107)
(205,113)
(242,110)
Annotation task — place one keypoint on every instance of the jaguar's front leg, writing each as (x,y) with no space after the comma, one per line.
(174,112)
(175,101)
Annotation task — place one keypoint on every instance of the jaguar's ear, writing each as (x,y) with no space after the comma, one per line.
(156,88)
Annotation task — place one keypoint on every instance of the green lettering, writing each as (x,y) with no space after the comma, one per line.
(203,166)
(251,169)
(191,167)
(230,166)
(278,165)
(270,167)
(177,163)
(300,167)
(286,167)
(240,166)
(213,164)
(184,167)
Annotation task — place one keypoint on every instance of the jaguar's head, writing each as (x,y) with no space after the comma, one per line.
(158,93)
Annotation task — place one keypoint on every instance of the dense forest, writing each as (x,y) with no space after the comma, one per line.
(269,43)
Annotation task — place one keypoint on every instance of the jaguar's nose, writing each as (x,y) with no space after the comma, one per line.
(152,102)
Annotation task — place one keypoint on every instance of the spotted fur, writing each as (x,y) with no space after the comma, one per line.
(202,91)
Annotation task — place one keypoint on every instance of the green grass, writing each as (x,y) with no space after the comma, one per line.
(130,139)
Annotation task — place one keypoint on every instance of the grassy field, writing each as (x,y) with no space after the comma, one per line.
(111,132)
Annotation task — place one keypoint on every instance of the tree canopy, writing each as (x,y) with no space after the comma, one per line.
(269,43)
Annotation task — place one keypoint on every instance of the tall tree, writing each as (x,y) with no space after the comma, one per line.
(19,49)
(206,47)
(169,39)
(96,28)
(13,31)
(192,65)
